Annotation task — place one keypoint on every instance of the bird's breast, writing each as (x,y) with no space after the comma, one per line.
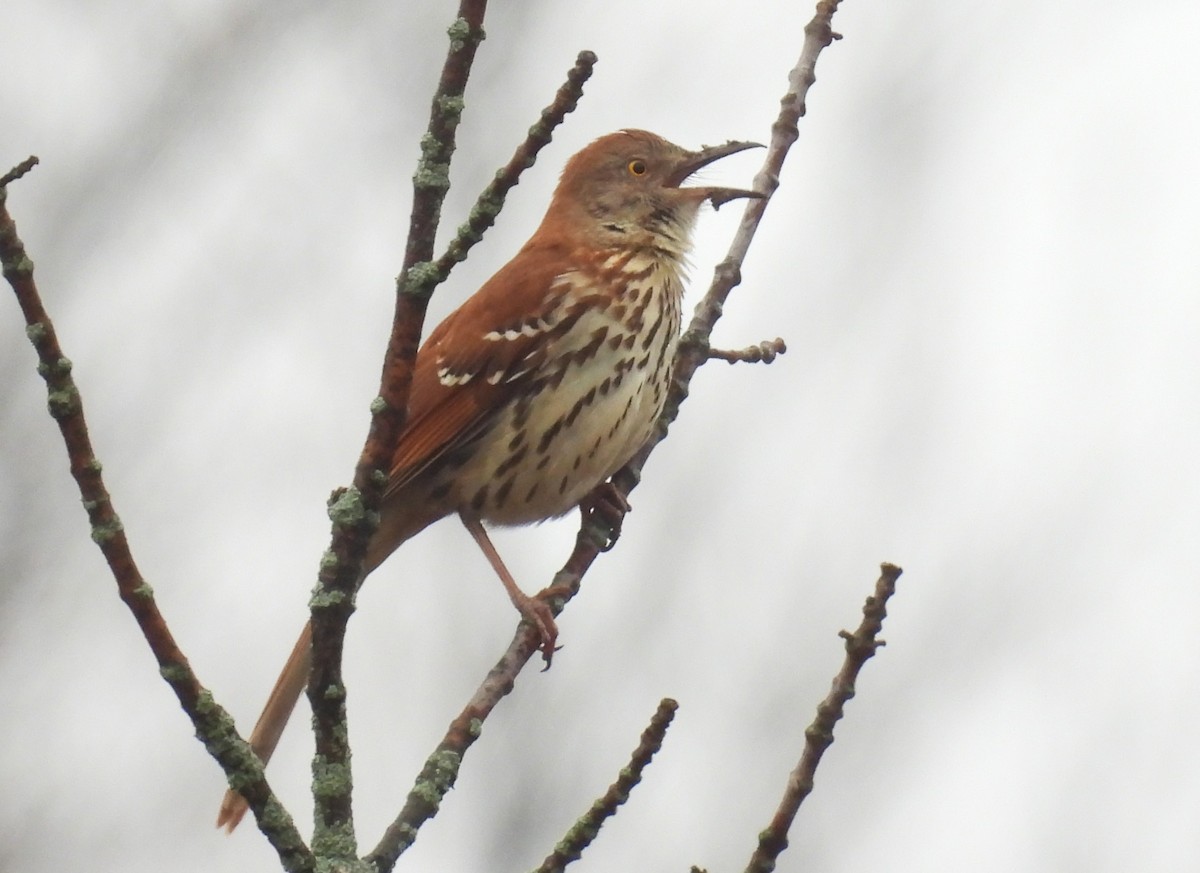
(586,396)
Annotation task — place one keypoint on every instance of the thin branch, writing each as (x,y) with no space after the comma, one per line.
(440,772)
(581,834)
(818,736)
(213,724)
(18,171)
(354,511)
(491,201)
(438,775)
(765,352)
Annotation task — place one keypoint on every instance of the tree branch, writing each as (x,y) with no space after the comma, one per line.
(19,170)
(818,736)
(213,724)
(491,201)
(581,834)
(441,768)
(354,512)
(414,286)
(765,352)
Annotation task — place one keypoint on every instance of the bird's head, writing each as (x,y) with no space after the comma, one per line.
(626,189)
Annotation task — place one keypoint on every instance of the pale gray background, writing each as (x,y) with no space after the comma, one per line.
(983,257)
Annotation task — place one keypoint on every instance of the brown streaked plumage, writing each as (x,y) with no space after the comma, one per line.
(546,380)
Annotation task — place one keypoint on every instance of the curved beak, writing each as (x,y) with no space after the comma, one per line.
(690,162)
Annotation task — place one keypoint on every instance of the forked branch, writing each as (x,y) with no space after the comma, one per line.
(354,513)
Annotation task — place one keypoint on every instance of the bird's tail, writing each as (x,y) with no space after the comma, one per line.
(267,731)
(399,521)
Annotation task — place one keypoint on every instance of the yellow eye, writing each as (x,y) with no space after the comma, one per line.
(637,167)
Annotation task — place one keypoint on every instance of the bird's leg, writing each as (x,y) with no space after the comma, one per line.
(536,611)
(607,503)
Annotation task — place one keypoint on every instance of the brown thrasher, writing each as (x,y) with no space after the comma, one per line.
(545,381)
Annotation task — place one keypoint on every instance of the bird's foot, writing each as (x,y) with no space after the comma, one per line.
(608,504)
(537,611)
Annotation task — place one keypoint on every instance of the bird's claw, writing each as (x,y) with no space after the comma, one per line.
(538,613)
(607,503)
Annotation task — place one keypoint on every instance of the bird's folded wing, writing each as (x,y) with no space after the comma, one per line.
(476,360)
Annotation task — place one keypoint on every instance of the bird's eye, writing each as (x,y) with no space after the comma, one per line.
(637,167)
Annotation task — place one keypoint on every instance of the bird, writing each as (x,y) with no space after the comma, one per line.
(545,381)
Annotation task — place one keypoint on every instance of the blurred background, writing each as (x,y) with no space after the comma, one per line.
(985,259)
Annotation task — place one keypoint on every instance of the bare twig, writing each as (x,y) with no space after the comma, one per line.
(818,736)
(441,767)
(581,834)
(213,724)
(765,352)
(491,201)
(18,171)
(354,511)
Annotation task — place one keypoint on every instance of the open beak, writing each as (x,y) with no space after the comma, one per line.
(693,161)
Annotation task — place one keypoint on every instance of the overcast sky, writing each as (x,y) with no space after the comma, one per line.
(984,256)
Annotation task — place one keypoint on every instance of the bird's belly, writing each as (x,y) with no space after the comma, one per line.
(547,452)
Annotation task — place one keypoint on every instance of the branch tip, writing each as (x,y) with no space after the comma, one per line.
(581,834)
(483,214)
(764,352)
(818,736)
(19,170)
